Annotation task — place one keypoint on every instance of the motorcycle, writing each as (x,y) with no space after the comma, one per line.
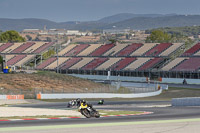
(71,104)
(89,112)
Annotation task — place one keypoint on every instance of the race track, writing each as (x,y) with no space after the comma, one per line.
(161,111)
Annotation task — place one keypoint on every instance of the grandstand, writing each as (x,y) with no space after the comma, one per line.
(70,62)
(192,64)
(135,59)
(155,51)
(94,63)
(115,57)
(101,50)
(129,49)
(18,54)
(192,50)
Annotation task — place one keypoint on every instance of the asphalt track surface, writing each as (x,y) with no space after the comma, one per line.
(161,109)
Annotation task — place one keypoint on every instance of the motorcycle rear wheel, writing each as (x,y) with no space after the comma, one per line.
(97,115)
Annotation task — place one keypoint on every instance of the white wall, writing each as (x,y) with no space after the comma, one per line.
(98,95)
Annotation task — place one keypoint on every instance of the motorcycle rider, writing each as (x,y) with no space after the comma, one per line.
(78,102)
(84,104)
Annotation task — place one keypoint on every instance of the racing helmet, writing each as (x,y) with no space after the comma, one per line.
(84,102)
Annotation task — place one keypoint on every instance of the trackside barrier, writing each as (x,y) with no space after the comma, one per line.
(96,95)
(189,101)
(137,79)
(8,97)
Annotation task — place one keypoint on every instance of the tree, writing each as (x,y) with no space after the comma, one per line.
(1,59)
(29,37)
(158,36)
(37,39)
(11,36)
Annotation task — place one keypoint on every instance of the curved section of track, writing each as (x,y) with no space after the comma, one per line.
(158,107)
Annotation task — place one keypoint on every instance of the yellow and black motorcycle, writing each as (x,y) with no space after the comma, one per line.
(88,111)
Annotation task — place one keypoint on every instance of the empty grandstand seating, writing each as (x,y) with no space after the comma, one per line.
(81,63)
(22,47)
(60,61)
(106,65)
(150,64)
(94,63)
(129,49)
(66,49)
(140,51)
(192,50)
(11,48)
(15,59)
(171,49)
(76,50)
(158,49)
(70,62)
(89,50)
(46,63)
(43,47)
(122,63)
(5,46)
(24,60)
(115,49)
(34,47)
(8,57)
(136,64)
(101,50)
(173,63)
(192,64)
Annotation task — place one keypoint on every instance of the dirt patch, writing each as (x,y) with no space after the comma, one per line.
(46,82)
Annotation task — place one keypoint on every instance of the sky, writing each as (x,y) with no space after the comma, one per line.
(87,10)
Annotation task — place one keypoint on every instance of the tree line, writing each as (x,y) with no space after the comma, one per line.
(11,36)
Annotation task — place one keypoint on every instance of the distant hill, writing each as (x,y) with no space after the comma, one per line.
(143,23)
(120,21)
(20,24)
(125,16)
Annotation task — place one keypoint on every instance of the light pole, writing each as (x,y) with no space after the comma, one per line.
(57,59)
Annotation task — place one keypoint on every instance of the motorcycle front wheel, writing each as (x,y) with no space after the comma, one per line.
(86,113)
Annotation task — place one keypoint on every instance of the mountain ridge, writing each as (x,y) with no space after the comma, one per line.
(143,22)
